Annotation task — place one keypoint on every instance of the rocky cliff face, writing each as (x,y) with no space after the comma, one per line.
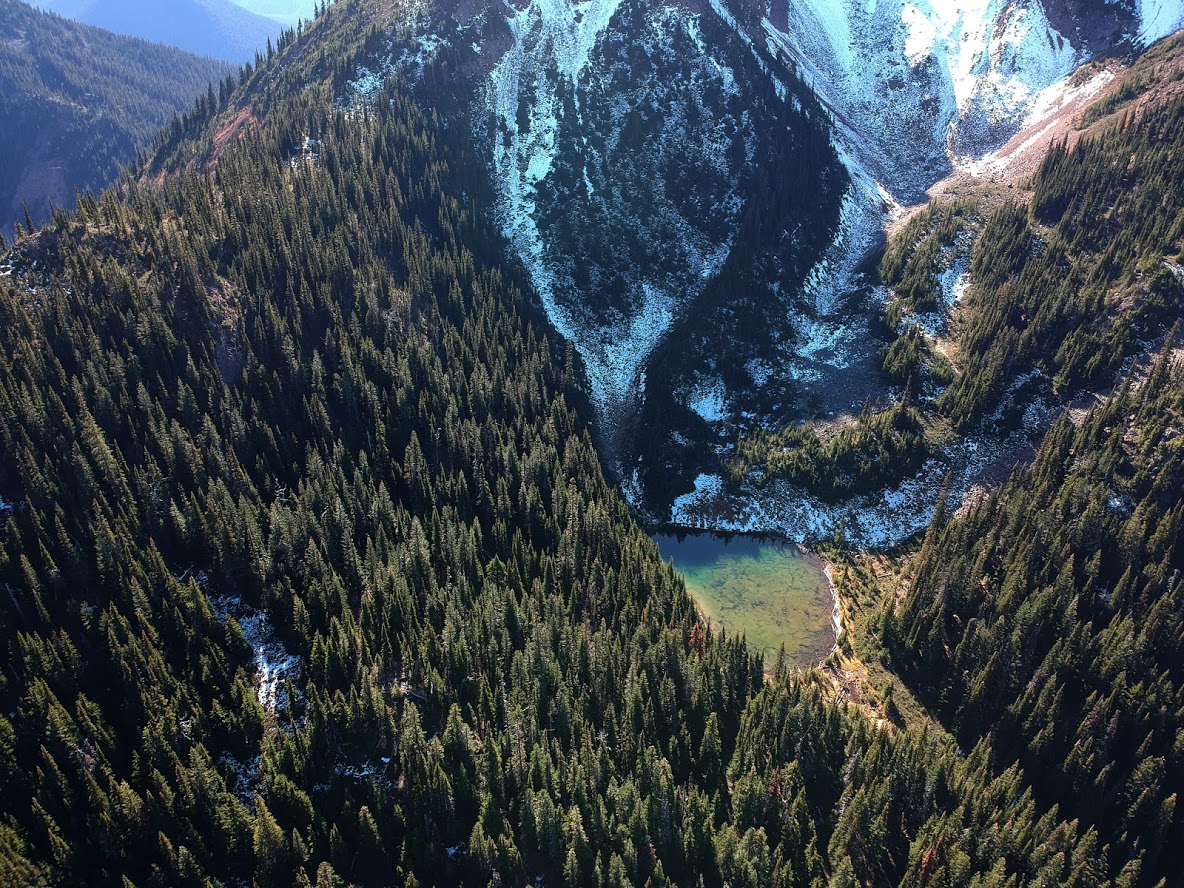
(694,187)
(920,85)
(630,143)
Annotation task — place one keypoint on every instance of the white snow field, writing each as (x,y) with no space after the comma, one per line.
(273,663)
(1158,18)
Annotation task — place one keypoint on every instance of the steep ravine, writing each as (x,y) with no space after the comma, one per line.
(628,145)
(696,189)
(951,83)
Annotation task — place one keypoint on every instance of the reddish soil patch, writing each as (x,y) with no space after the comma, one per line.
(1019,159)
(231,131)
(1157,78)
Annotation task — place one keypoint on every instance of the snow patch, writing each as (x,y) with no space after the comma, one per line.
(922,35)
(273,663)
(837,613)
(823,337)
(632,490)
(862,214)
(878,519)
(759,371)
(709,400)
(952,287)
(523,158)
(835,25)
(418,49)
(823,341)
(707,488)
(875,521)
(778,84)
(954,282)
(919,82)
(245,782)
(1159,18)
(368,82)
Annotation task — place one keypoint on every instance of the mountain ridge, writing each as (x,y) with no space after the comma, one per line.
(217,28)
(77,103)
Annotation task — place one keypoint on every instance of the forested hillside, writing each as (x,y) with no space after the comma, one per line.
(77,102)
(1074,285)
(1067,282)
(1048,621)
(312,574)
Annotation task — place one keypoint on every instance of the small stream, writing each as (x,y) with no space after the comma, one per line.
(773,592)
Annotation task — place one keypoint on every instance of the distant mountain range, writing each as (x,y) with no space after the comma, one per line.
(217,28)
(286,11)
(76,102)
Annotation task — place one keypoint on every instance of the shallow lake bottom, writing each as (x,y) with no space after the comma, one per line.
(773,592)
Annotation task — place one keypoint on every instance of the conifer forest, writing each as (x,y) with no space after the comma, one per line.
(321,563)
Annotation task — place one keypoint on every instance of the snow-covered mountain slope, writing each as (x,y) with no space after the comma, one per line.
(922,84)
(694,187)
(626,139)
(618,154)
(1158,18)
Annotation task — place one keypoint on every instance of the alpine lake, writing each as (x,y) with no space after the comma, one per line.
(773,592)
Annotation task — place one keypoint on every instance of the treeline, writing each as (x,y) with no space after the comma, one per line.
(917,256)
(1161,65)
(1048,623)
(77,103)
(1067,287)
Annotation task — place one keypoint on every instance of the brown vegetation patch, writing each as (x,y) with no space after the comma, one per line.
(231,131)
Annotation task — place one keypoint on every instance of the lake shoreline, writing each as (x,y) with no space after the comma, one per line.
(704,596)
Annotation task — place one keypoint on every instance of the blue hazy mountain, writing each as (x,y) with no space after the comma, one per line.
(217,28)
(286,11)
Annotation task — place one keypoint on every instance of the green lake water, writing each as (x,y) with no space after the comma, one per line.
(772,592)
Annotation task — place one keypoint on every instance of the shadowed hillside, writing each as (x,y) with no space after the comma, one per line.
(77,102)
